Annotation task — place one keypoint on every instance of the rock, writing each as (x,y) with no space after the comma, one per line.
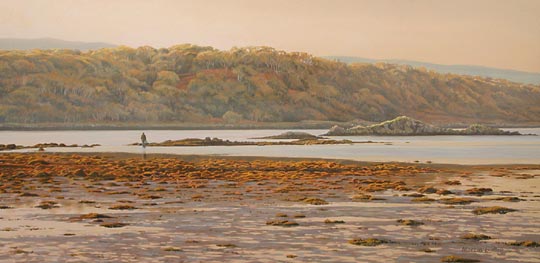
(406,126)
(219,142)
(422,199)
(427,190)
(122,207)
(337,130)
(456,182)
(472,236)
(285,223)
(113,225)
(508,199)
(10,146)
(93,216)
(444,192)
(527,243)
(457,201)
(329,221)
(47,205)
(399,126)
(26,194)
(292,135)
(409,222)
(478,129)
(315,201)
(478,191)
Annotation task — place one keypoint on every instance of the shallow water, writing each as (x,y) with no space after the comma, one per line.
(438,149)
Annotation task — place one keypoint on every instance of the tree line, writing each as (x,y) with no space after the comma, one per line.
(189,83)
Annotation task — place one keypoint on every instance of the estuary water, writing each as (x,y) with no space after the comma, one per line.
(437,149)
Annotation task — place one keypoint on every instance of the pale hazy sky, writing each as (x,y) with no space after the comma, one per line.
(496,33)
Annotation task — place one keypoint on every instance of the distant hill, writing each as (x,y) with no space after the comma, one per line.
(512,75)
(195,84)
(49,43)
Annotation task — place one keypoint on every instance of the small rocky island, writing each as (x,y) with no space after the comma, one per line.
(406,126)
(220,142)
(292,135)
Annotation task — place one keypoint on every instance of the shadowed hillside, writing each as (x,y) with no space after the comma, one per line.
(196,84)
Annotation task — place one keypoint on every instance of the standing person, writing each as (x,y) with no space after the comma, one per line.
(143,140)
(144,143)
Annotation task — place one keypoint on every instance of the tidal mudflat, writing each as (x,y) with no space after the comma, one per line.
(106,207)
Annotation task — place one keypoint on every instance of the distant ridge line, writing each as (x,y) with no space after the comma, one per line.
(49,43)
(483,71)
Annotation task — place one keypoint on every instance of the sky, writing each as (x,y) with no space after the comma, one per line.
(494,33)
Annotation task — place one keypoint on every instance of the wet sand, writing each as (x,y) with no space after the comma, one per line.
(170,208)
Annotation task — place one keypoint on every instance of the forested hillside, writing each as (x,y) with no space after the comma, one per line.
(188,83)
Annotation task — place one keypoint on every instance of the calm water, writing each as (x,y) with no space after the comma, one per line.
(438,149)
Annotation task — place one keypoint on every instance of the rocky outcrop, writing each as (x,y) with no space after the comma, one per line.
(7,147)
(477,129)
(406,126)
(219,142)
(293,135)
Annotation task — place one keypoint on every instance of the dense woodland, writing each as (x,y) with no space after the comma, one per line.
(188,83)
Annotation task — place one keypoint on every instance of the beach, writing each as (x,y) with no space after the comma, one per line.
(120,207)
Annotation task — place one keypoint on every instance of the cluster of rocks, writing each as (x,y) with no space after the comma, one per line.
(4,147)
(406,126)
(53,144)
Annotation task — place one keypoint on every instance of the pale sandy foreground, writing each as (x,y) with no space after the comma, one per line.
(211,209)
